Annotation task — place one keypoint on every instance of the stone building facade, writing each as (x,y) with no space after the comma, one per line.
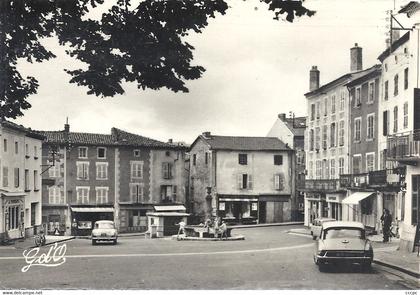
(118,176)
(291,131)
(20,181)
(241,179)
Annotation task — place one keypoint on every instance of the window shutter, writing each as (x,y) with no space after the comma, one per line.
(281,182)
(51,195)
(385,123)
(62,195)
(249,181)
(170,170)
(164,171)
(240,181)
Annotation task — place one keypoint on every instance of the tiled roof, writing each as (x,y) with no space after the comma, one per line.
(297,125)
(131,139)
(344,78)
(59,137)
(28,131)
(217,142)
(117,137)
(394,46)
(374,72)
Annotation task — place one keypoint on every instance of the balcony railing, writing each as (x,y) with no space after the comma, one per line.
(389,178)
(404,146)
(322,185)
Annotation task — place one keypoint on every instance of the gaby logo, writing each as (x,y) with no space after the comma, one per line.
(54,257)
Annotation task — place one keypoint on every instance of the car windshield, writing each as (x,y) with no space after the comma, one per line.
(104,225)
(338,233)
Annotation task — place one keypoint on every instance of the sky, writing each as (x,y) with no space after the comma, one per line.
(256,68)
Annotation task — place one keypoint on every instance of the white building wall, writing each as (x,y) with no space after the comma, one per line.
(405,56)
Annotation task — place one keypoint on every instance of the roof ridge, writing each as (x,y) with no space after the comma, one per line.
(137,135)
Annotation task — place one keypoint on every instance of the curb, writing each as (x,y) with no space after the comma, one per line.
(233,238)
(298,233)
(50,243)
(399,268)
(266,225)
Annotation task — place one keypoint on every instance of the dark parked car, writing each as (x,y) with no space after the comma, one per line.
(343,242)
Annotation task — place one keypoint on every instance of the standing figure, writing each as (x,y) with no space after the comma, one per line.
(223,230)
(182,225)
(386,219)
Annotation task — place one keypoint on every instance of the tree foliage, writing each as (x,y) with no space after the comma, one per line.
(133,41)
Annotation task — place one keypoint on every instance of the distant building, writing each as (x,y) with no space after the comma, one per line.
(291,131)
(152,175)
(241,179)
(20,181)
(327,143)
(119,176)
(364,179)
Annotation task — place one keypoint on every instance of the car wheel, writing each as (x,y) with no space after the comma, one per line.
(367,265)
(321,267)
(115,241)
(93,242)
(313,237)
(316,260)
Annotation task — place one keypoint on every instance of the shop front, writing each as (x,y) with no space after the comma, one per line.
(238,209)
(274,208)
(13,215)
(54,219)
(361,207)
(334,206)
(83,218)
(316,206)
(133,218)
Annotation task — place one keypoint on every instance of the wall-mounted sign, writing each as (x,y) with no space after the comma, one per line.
(254,206)
(84,224)
(222,206)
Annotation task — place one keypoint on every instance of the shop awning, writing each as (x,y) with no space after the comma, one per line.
(165,214)
(357,197)
(170,208)
(237,200)
(92,209)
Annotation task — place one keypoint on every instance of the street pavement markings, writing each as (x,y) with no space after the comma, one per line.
(174,254)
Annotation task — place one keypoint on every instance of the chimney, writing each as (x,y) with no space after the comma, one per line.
(282,116)
(170,140)
(313,78)
(206,134)
(67,126)
(356,58)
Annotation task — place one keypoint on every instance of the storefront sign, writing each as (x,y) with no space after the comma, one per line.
(393,178)
(222,206)
(313,198)
(85,224)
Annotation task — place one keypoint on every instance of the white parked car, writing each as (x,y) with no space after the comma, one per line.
(104,230)
(316,226)
(343,242)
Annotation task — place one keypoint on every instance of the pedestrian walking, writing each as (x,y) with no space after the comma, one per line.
(386,220)
(182,225)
